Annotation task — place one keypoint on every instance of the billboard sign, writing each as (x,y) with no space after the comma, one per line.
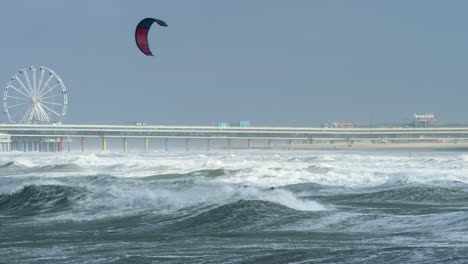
(424,117)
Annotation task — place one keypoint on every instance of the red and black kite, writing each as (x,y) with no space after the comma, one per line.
(141,34)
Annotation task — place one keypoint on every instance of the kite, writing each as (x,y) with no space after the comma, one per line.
(141,34)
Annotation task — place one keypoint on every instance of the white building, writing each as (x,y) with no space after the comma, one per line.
(5,142)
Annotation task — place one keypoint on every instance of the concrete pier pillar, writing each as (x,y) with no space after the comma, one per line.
(125,145)
(270,143)
(187,144)
(104,144)
(62,144)
(249,143)
(229,144)
(146,145)
(166,144)
(208,144)
(83,144)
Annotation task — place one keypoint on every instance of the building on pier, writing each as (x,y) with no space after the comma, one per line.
(5,142)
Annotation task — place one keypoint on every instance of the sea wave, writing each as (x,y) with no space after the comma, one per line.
(35,199)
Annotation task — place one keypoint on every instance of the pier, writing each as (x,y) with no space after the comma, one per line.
(57,138)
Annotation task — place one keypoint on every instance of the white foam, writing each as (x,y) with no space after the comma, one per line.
(260,169)
(167,199)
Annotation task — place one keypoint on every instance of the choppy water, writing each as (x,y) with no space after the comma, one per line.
(238,207)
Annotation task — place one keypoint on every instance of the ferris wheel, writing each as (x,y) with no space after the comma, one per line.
(35,95)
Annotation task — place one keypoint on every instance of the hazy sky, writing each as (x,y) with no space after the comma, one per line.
(270,62)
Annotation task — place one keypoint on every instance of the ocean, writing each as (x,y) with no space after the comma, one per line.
(242,206)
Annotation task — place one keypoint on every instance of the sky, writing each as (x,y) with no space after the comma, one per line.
(278,63)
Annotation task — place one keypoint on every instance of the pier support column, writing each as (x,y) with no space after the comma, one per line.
(83,144)
(104,144)
(229,144)
(249,143)
(62,144)
(187,144)
(208,144)
(166,144)
(125,145)
(146,145)
(269,143)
